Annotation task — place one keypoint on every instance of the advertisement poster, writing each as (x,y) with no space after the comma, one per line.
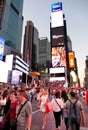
(2,43)
(58,56)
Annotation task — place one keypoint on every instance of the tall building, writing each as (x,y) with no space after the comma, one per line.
(30,47)
(86,72)
(11,22)
(69,44)
(44,59)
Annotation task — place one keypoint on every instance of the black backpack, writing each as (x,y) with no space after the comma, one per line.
(74,114)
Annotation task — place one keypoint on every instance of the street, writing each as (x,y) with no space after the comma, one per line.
(50,125)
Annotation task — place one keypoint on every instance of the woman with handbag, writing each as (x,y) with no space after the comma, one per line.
(57,105)
(43,99)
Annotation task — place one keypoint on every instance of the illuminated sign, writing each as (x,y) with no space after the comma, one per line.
(57,19)
(56,7)
(2,43)
(57,78)
(57,70)
(71,59)
(56,15)
(57,36)
(58,56)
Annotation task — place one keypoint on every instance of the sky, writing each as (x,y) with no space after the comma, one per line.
(76,15)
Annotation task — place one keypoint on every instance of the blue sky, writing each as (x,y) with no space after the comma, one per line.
(76,14)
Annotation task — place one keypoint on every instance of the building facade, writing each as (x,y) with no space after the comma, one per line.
(86,73)
(11,22)
(44,59)
(30,46)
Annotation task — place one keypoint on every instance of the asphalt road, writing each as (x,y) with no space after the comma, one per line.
(50,125)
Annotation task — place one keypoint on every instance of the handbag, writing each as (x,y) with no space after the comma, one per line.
(48,106)
(3,121)
(13,122)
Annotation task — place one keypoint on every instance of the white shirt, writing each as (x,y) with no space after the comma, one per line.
(55,106)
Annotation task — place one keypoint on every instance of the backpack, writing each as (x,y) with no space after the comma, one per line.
(74,114)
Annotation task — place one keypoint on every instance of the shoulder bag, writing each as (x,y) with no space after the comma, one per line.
(13,122)
(62,109)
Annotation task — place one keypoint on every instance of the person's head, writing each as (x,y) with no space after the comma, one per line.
(64,95)
(12,95)
(21,95)
(72,94)
(6,94)
(57,94)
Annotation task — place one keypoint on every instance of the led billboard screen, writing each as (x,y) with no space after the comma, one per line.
(57,70)
(56,15)
(15,78)
(56,6)
(71,59)
(2,42)
(57,36)
(58,56)
(57,19)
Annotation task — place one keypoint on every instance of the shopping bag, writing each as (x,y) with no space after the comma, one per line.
(48,106)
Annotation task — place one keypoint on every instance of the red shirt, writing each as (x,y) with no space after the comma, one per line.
(13,109)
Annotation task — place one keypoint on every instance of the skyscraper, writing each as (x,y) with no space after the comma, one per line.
(30,47)
(11,22)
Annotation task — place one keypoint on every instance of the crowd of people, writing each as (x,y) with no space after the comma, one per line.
(16,106)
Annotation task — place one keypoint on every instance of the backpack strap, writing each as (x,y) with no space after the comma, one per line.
(21,108)
(72,102)
(74,106)
(57,103)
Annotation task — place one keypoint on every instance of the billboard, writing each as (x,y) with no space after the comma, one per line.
(71,59)
(3,72)
(56,6)
(57,36)
(15,78)
(57,19)
(57,70)
(56,15)
(57,74)
(58,56)
(2,43)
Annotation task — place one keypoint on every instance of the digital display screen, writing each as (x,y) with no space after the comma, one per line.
(15,78)
(57,36)
(56,6)
(57,19)
(2,42)
(58,56)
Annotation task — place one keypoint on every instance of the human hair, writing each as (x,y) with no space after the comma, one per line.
(64,95)
(22,92)
(72,93)
(57,94)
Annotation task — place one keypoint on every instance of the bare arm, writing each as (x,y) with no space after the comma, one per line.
(29,120)
(83,117)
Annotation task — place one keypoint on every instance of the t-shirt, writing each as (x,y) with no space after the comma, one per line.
(22,117)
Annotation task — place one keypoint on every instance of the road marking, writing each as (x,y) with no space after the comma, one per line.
(83,128)
(35,112)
